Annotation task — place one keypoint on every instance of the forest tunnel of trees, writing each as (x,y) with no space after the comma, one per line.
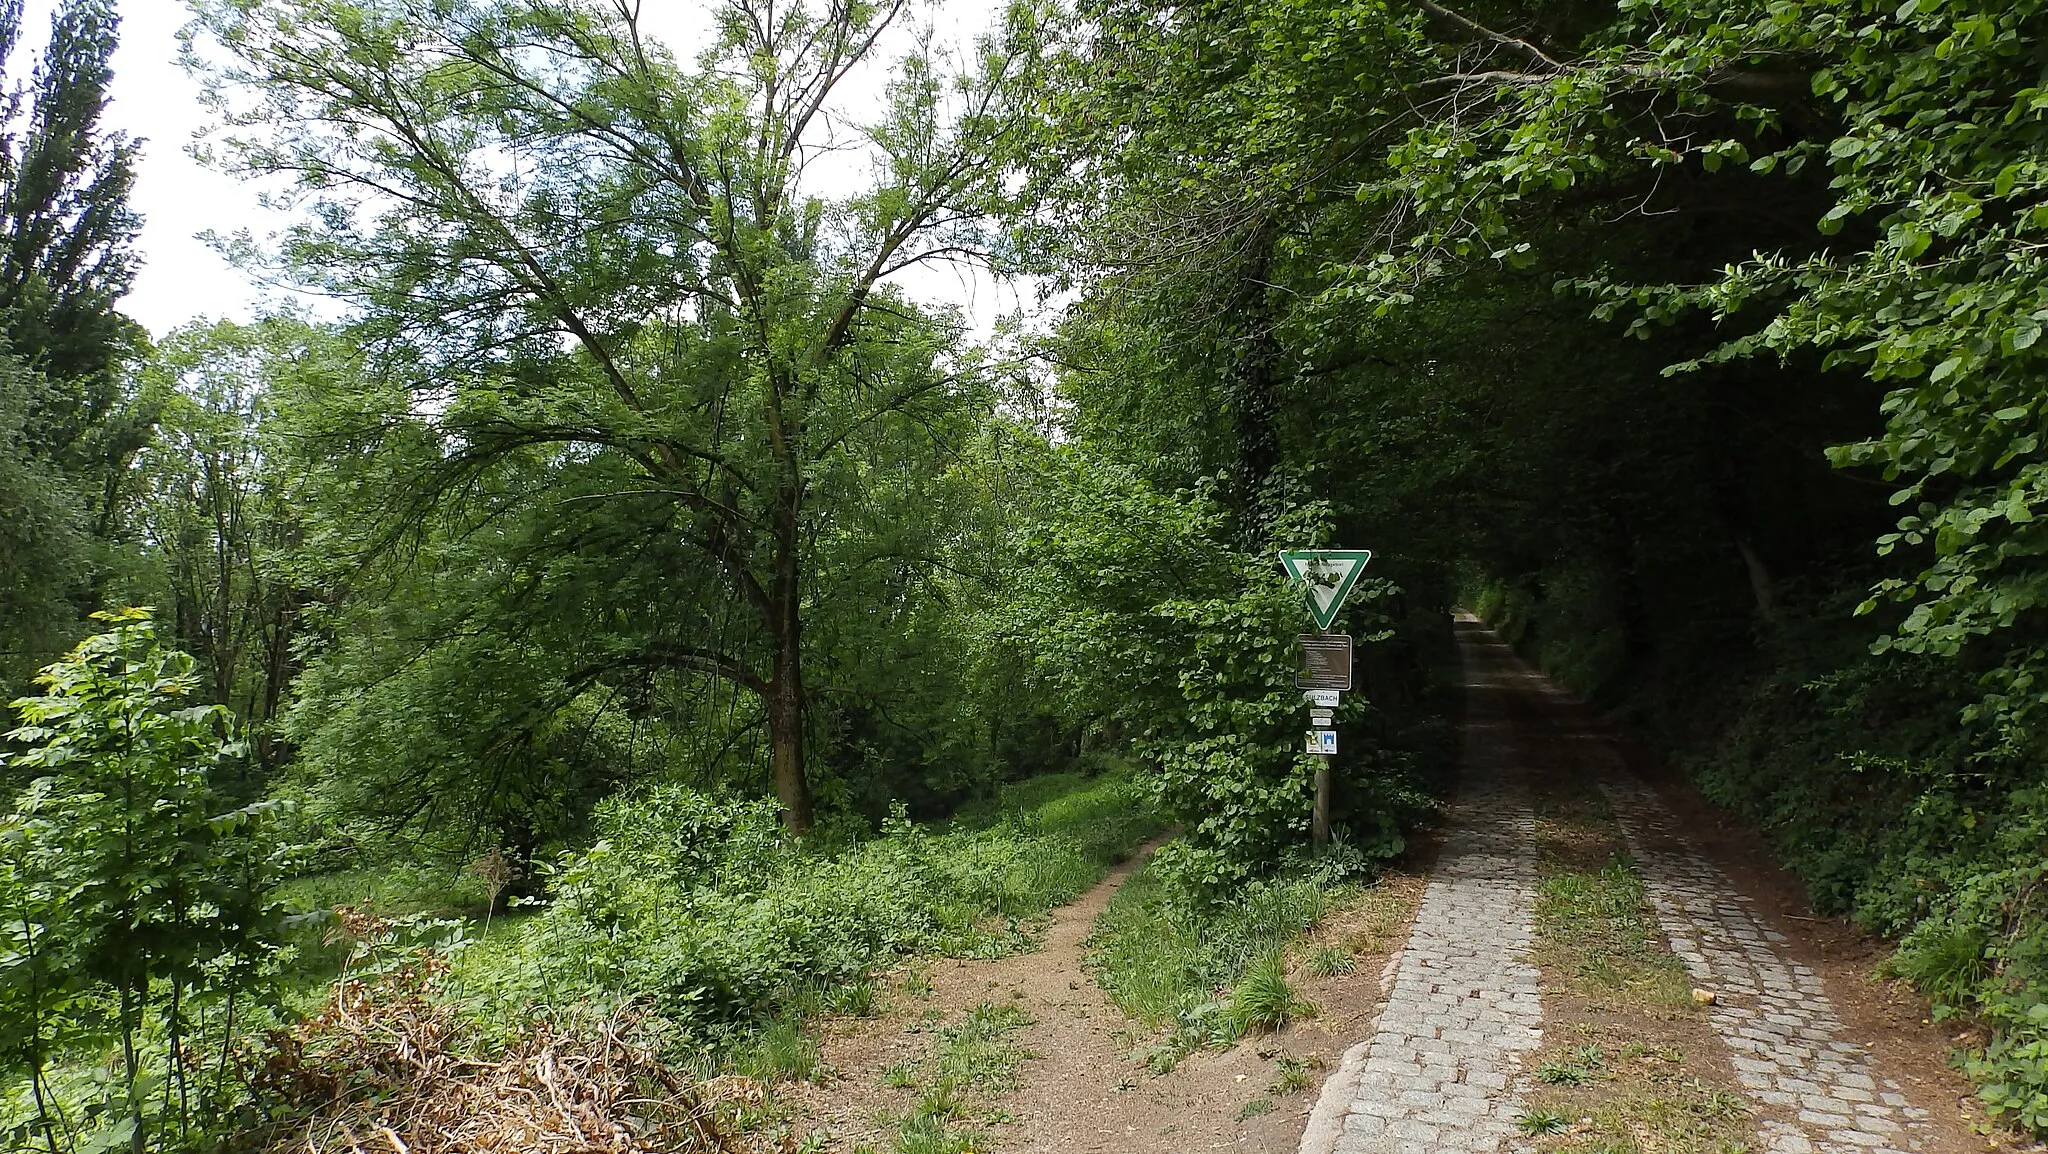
(1693,343)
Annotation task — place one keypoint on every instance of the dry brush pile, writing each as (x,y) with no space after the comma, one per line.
(387,1068)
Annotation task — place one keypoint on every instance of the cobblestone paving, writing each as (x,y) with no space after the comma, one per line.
(1441,1072)
(1790,1050)
(1464,1010)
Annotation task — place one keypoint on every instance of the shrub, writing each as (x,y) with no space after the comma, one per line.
(699,907)
(135,910)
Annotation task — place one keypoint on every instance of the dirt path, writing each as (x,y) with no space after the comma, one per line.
(1545,970)
(1084,1086)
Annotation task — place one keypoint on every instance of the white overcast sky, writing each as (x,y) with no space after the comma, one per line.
(182,278)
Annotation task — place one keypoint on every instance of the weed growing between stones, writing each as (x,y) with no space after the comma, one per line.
(1624,1072)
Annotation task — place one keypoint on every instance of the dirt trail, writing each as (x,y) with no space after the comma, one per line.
(1085,1089)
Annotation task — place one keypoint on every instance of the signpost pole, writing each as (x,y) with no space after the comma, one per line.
(1319,821)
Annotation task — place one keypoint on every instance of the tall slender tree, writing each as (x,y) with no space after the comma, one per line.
(66,258)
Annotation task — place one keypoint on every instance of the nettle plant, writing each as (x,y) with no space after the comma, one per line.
(135,914)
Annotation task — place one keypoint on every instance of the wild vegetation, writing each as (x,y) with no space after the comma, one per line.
(644,616)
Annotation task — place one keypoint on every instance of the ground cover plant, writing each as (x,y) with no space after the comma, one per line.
(1205,972)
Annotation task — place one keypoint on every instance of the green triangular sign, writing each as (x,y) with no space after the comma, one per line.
(1328,574)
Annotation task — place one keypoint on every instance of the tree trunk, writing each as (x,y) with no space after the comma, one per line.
(786,687)
(1761,586)
(786,740)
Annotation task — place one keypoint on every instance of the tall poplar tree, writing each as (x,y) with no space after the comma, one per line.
(66,258)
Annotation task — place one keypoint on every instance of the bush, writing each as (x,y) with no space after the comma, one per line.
(699,907)
(135,911)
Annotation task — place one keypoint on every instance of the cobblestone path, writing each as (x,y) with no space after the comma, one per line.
(1816,1087)
(1440,1072)
(1464,1010)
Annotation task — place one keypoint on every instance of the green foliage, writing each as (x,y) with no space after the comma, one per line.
(1208,971)
(1139,616)
(704,908)
(136,910)
(70,420)
(1920,827)
(1295,1073)
(238,494)
(668,374)
(782,1050)
(45,555)
(1255,1108)
(1329,961)
(1542,1121)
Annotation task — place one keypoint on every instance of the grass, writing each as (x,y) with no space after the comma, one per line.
(975,1060)
(1542,1122)
(1264,999)
(1593,912)
(1160,957)
(854,1000)
(1256,1107)
(1206,975)
(1295,1074)
(1623,1083)
(730,956)
(781,1050)
(1329,961)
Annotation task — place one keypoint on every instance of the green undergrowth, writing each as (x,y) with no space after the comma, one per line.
(698,910)
(1207,972)
(1885,782)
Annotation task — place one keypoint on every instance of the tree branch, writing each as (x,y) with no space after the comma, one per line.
(1518,46)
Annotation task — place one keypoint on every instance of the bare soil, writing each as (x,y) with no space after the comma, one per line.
(1085,1087)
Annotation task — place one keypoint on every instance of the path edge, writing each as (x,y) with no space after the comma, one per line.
(1326,1121)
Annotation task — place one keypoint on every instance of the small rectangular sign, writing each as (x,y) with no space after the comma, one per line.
(1322,698)
(1322,742)
(1325,661)
(1319,717)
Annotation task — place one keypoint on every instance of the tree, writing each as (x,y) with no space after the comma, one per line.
(591,259)
(69,425)
(120,879)
(44,552)
(231,492)
(65,256)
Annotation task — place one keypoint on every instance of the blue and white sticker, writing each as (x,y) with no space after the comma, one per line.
(1322,742)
